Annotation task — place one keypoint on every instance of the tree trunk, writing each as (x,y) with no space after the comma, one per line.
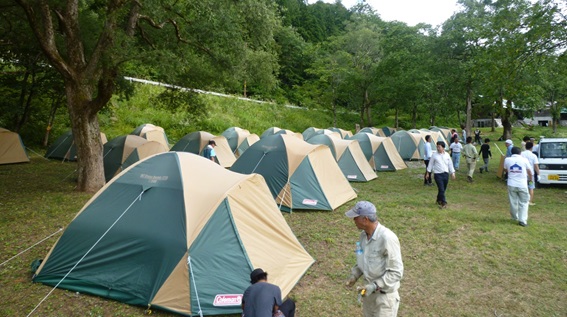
(367,108)
(396,119)
(506,120)
(469,112)
(86,134)
(413,116)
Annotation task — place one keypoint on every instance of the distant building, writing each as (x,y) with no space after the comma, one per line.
(543,117)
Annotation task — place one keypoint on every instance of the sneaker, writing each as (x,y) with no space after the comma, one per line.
(481,170)
(532,204)
(523,224)
(469,179)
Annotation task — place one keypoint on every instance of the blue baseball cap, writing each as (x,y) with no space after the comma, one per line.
(362,208)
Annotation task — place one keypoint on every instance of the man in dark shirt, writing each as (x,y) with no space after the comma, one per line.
(485,152)
(262,299)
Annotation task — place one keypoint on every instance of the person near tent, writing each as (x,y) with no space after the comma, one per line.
(519,172)
(262,299)
(441,166)
(464,134)
(471,155)
(454,135)
(379,261)
(426,157)
(209,151)
(456,148)
(486,154)
(477,138)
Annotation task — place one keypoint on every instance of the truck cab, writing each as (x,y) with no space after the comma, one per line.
(552,156)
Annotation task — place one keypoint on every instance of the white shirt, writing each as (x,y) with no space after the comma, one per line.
(440,163)
(456,147)
(517,167)
(428,151)
(532,158)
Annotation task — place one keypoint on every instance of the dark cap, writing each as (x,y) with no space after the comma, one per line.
(212,142)
(362,208)
(257,275)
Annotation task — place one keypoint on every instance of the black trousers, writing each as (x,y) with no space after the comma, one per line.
(426,180)
(288,308)
(442,180)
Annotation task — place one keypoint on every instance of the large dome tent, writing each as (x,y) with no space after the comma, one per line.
(300,175)
(166,234)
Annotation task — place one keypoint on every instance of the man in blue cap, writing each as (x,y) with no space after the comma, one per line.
(380,262)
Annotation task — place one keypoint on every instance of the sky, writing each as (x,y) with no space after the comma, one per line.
(412,12)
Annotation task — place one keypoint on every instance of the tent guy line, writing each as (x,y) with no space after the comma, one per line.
(139,197)
(15,256)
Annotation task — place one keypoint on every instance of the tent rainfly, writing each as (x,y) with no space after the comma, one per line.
(300,175)
(179,233)
(251,139)
(311,132)
(64,147)
(373,131)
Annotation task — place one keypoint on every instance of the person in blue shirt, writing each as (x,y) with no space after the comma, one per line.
(209,151)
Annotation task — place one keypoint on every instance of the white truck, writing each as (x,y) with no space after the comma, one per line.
(552,156)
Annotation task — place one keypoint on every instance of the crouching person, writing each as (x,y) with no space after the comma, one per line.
(262,299)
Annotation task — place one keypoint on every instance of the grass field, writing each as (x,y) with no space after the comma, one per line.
(467,260)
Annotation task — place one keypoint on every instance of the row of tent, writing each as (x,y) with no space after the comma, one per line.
(150,236)
(301,175)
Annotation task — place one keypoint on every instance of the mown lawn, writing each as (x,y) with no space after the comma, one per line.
(467,260)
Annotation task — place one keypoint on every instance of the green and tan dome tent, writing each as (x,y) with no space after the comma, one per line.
(152,132)
(344,133)
(195,142)
(176,232)
(408,144)
(380,152)
(64,148)
(300,175)
(126,150)
(276,130)
(349,157)
(373,131)
(12,148)
(388,131)
(235,136)
(311,132)
(250,139)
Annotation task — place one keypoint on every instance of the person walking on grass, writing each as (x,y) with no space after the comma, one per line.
(441,166)
(519,171)
(471,155)
(380,263)
(486,154)
(477,138)
(427,152)
(456,149)
(534,163)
